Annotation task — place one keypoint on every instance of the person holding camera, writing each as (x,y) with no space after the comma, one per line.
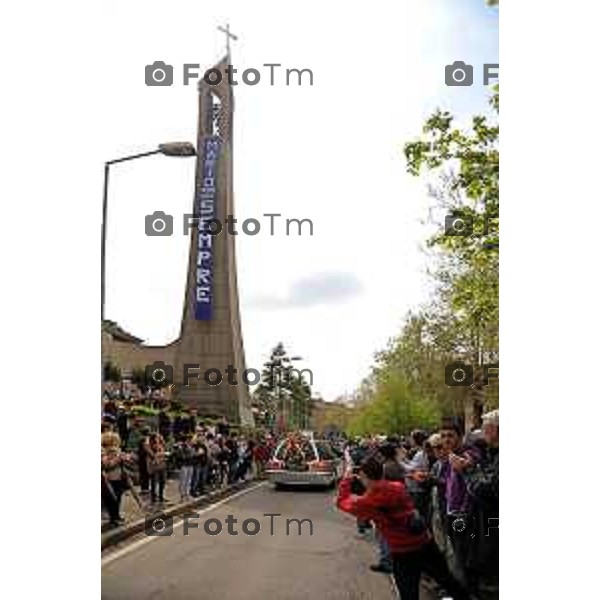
(390,507)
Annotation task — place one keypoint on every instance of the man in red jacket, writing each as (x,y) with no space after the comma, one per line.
(389,506)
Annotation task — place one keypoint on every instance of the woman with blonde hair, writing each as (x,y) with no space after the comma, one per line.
(114,478)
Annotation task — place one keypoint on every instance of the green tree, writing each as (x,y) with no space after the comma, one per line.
(466,165)
(266,408)
(463,316)
(407,386)
(395,408)
(283,391)
(300,402)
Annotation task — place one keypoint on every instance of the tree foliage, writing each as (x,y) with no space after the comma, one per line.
(283,394)
(394,408)
(406,387)
(467,166)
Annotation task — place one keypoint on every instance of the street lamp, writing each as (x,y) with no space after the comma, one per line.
(177,149)
(291,400)
(180,149)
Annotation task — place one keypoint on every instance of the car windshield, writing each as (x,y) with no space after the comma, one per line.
(325,451)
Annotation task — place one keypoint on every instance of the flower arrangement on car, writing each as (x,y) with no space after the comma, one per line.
(294,455)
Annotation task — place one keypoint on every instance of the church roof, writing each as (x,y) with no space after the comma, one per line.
(118,333)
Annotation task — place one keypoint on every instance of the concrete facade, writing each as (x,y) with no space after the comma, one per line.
(216,343)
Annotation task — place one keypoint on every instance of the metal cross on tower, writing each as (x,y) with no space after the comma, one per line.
(228,35)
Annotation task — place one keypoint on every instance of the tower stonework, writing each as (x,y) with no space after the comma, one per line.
(211,330)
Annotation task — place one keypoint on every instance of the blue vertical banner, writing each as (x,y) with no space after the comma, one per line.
(205,213)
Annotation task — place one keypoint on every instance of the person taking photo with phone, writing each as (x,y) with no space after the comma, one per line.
(390,507)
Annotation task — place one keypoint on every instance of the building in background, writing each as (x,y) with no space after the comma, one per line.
(330,417)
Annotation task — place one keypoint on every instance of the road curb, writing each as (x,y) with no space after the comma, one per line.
(119,534)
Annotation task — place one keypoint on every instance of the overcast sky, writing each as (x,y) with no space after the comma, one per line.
(330,152)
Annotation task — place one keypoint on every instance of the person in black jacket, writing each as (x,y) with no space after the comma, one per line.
(200,466)
(392,469)
(483,485)
(232,445)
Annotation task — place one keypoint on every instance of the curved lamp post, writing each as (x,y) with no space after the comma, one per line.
(180,149)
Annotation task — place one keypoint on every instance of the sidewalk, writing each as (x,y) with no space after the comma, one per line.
(130,511)
(135,515)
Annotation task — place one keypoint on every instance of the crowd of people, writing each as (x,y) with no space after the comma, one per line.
(432,499)
(139,457)
(434,502)
(130,392)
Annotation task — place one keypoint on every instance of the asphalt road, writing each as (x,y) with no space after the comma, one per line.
(279,562)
